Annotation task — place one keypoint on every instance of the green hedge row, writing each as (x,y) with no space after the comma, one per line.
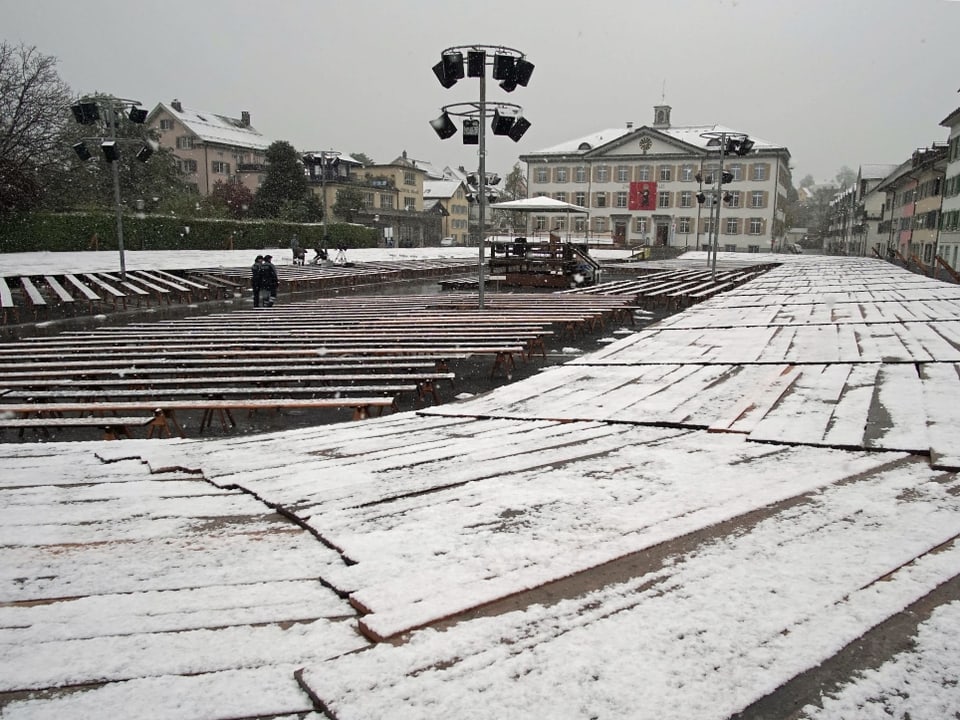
(88,231)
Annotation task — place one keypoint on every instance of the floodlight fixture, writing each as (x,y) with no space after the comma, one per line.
(727,198)
(471,132)
(524,69)
(726,176)
(520,126)
(701,198)
(509,85)
(111,150)
(699,178)
(746,145)
(444,126)
(476,63)
(80,149)
(504,67)
(503,119)
(442,77)
(144,153)
(85,112)
(137,115)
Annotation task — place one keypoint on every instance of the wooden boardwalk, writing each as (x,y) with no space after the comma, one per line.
(697,521)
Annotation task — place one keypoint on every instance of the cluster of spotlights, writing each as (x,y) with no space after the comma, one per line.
(87,112)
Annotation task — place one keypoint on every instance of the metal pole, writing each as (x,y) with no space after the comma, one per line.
(718,198)
(112,120)
(482,187)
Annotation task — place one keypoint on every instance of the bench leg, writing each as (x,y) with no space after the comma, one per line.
(501,361)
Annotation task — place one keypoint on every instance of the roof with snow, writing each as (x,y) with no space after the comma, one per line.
(440,189)
(691,135)
(218,129)
(877,171)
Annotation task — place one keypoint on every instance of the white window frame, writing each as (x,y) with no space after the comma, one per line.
(621,201)
(643,173)
(666,173)
(623,173)
(756,226)
(541,175)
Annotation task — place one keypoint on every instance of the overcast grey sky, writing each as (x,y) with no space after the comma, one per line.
(839,82)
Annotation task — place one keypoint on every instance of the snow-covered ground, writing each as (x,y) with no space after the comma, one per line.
(696,519)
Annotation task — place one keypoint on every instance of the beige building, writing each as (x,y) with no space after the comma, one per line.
(211,147)
(640,186)
(449,199)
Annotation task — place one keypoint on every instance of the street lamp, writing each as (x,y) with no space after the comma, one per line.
(729,143)
(108,110)
(511,68)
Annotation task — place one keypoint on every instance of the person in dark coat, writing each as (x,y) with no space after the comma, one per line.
(256,279)
(270,280)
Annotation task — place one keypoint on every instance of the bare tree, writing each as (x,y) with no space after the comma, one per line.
(33,113)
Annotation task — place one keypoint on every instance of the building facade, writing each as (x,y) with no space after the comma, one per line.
(641,187)
(211,148)
(949,241)
(448,198)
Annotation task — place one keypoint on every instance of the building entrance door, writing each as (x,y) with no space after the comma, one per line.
(663,234)
(620,232)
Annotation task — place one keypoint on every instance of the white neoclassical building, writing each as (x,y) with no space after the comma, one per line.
(640,186)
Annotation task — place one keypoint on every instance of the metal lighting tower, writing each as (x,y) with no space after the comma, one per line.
(510,67)
(729,143)
(108,110)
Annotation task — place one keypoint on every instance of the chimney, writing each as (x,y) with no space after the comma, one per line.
(245,118)
(176,105)
(629,124)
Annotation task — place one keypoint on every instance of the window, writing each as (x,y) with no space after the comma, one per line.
(540,222)
(642,225)
(643,173)
(663,199)
(684,225)
(623,173)
(736,169)
(733,226)
(756,226)
(560,223)
(166,124)
(734,198)
(410,202)
(622,199)
(686,173)
(184,142)
(541,174)
(600,224)
(756,199)
(603,173)
(386,201)
(561,174)
(218,167)
(409,178)
(580,224)
(760,172)
(666,173)
(600,200)
(561,196)
(707,225)
(580,198)
(686,198)
(187,166)
(580,174)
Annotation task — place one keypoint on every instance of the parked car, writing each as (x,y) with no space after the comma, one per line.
(447,242)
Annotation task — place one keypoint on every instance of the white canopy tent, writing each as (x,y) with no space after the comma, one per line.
(540,204)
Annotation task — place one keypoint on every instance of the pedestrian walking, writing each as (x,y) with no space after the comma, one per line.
(270,280)
(256,279)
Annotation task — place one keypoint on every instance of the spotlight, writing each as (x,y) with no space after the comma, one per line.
(726,176)
(520,126)
(476,63)
(509,84)
(138,115)
(471,132)
(444,126)
(452,66)
(81,150)
(85,113)
(442,77)
(144,153)
(727,198)
(493,179)
(698,177)
(503,119)
(732,146)
(504,67)
(524,69)
(746,145)
(111,151)
(701,198)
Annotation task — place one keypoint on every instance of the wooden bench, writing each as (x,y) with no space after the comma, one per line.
(63,296)
(89,295)
(6,302)
(111,291)
(33,295)
(164,410)
(113,427)
(133,290)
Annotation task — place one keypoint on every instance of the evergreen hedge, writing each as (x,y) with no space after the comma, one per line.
(70,232)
